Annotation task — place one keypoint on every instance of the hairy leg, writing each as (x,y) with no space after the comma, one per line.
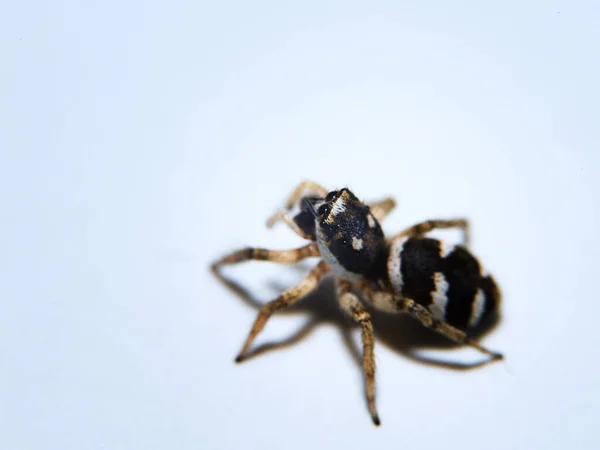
(289,297)
(421,228)
(352,305)
(296,195)
(262,254)
(380,209)
(391,302)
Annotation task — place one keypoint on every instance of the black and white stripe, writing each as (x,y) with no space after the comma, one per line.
(446,279)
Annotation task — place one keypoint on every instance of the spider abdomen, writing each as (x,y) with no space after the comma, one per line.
(447,279)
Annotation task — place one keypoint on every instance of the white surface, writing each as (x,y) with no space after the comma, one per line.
(139,141)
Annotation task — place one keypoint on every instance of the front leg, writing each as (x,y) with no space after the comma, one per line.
(300,191)
(283,216)
(352,305)
(381,208)
(288,298)
(262,254)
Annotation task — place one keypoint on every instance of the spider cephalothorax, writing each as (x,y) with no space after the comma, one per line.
(441,285)
(349,237)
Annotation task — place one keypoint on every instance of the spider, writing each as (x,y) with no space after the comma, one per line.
(439,284)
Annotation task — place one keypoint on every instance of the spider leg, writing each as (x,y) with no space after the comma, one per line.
(297,193)
(399,304)
(289,297)
(262,254)
(380,209)
(352,305)
(421,228)
(293,199)
(283,216)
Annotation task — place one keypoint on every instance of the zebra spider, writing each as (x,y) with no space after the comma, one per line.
(440,285)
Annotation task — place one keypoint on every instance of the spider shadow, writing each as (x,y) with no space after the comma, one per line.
(399,332)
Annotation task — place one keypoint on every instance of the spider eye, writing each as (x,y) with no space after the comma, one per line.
(330,196)
(323,209)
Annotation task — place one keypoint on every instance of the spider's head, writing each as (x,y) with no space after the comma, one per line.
(348,236)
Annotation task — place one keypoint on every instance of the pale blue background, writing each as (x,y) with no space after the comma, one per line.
(140,140)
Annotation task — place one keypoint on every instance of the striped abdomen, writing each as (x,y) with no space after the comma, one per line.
(446,279)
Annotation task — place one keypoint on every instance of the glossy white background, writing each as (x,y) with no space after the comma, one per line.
(141,140)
